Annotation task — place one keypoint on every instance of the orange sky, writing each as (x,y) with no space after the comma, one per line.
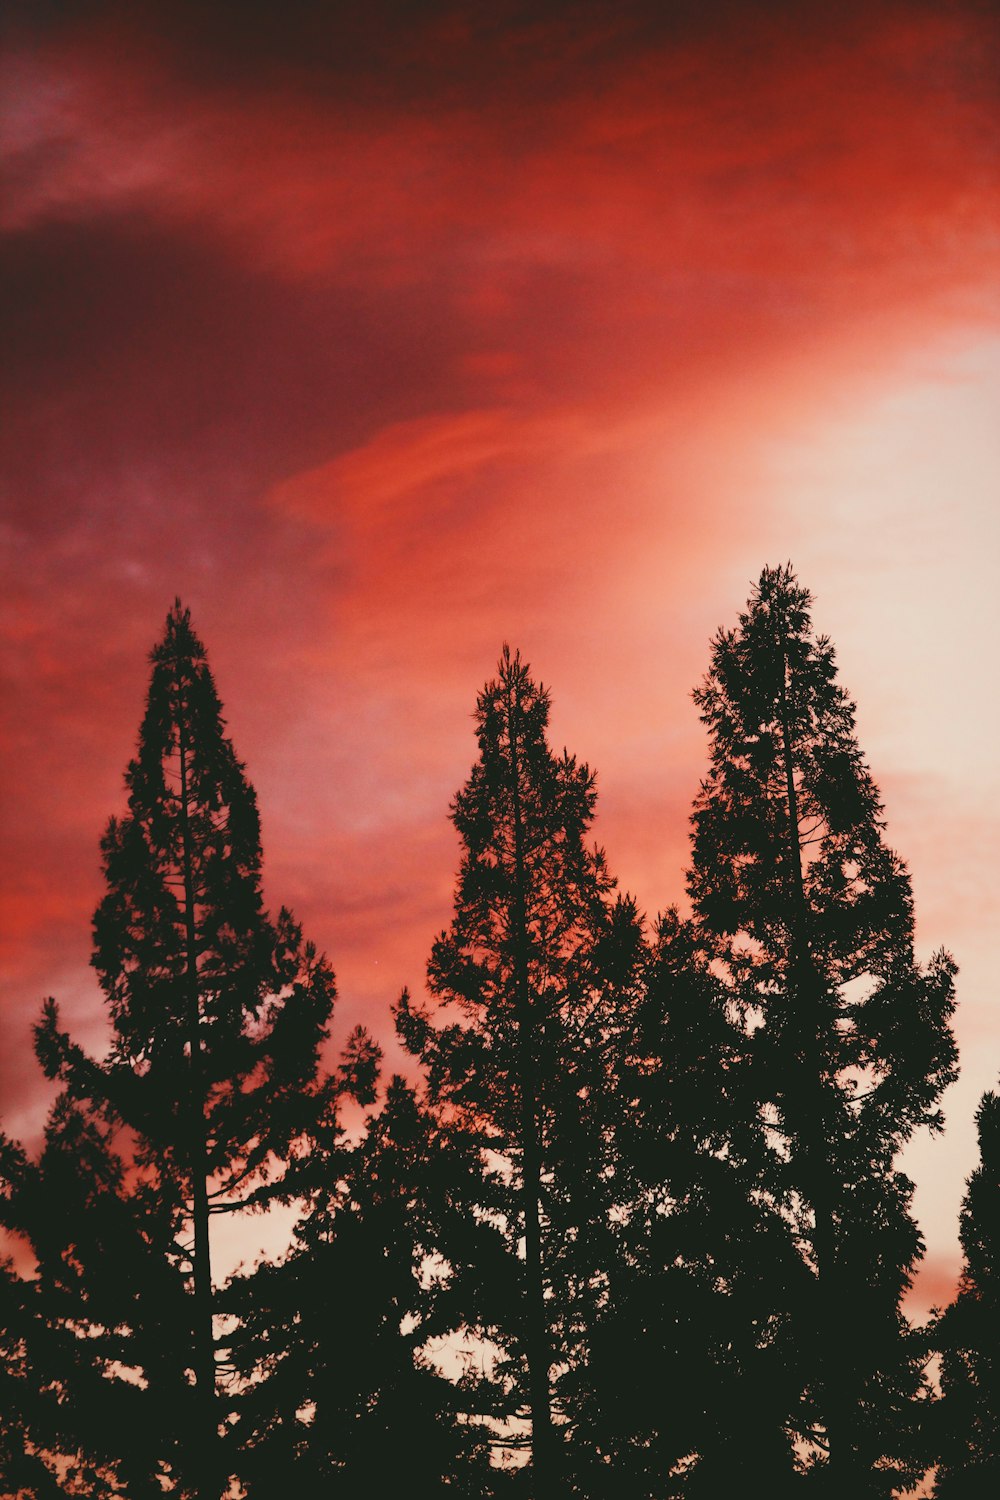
(384,341)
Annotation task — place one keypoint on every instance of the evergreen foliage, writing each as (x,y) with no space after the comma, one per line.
(691,1366)
(210,1084)
(969,1335)
(638,1224)
(340,1390)
(808,917)
(540,966)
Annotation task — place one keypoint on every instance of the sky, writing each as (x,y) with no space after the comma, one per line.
(383,340)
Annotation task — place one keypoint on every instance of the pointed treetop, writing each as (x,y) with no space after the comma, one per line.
(512,671)
(179,637)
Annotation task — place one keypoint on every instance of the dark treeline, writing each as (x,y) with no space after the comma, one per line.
(637,1229)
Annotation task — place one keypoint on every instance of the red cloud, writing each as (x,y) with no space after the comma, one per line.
(382,348)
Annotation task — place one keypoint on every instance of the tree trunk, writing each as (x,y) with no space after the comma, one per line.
(543,1449)
(843,1475)
(207,1476)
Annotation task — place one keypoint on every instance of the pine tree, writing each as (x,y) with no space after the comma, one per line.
(692,1362)
(540,963)
(337,1341)
(209,1086)
(809,918)
(101,1304)
(969,1334)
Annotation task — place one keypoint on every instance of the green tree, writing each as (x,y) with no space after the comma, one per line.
(210,1084)
(969,1334)
(809,919)
(539,966)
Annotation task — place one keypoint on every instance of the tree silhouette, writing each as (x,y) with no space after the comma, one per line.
(969,1333)
(691,1370)
(217,1014)
(658,1180)
(809,920)
(540,963)
(346,1394)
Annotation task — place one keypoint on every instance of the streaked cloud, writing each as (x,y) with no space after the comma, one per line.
(383,338)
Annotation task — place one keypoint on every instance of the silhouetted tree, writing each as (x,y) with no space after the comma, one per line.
(101,1306)
(541,964)
(691,1369)
(342,1389)
(809,919)
(210,1082)
(969,1334)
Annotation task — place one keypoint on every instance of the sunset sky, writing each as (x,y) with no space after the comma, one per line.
(382,341)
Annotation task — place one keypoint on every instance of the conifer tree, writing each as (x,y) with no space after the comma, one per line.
(337,1340)
(692,1363)
(210,1084)
(540,965)
(808,916)
(969,1334)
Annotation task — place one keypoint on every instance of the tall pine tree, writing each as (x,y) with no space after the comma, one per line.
(969,1334)
(809,919)
(540,965)
(210,1084)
